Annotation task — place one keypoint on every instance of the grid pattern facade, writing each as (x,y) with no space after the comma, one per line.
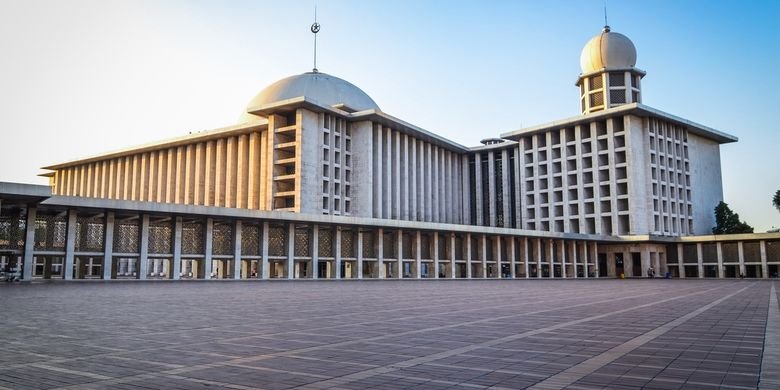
(670,178)
(336,166)
(575,179)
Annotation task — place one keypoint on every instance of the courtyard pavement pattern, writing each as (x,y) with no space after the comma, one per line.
(498,334)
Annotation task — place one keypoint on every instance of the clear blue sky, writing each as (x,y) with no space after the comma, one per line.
(79,77)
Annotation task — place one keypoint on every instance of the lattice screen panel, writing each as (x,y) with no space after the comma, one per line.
(250,240)
(89,233)
(302,242)
(50,231)
(127,235)
(222,239)
(369,244)
(348,243)
(192,240)
(12,229)
(325,242)
(277,241)
(160,236)
(388,245)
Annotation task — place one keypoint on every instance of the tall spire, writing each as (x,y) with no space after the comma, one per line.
(315,28)
(606,24)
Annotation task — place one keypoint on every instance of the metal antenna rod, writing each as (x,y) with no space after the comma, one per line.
(315,28)
(606,25)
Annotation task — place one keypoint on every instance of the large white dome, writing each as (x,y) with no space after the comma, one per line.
(320,87)
(609,50)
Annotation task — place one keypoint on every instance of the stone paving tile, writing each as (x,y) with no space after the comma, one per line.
(382,334)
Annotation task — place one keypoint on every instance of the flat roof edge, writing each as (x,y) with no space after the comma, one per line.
(640,109)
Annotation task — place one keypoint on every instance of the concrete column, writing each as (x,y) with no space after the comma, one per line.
(645,260)
(538,257)
(177,233)
(388,176)
(413,168)
(479,191)
(359,254)
(399,244)
(378,208)
(143,267)
(417,254)
(452,255)
(524,256)
(595,256)
(468,255)
(290,251)
(315,251)
(496,242)
(741,251)
(108,246)
(507,183)
(337,255)
(265,264)
(681,261)
(404,187)
(237,230)
(562,249)
(719,247)
(466,190)
(491,191)
(512,257)
(700,260)
(764,265)
(29,245)
(429,206)
(380,254)
(207,269)
(628,264)
(436,254)
(70,244)
(583,255)
(573,258)
(551,256)
(483,254)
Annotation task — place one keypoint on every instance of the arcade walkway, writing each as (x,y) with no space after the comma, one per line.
(511,334)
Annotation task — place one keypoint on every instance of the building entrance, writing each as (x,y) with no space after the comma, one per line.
(603,269)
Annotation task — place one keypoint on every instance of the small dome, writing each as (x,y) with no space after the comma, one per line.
(608,50)
(320,87)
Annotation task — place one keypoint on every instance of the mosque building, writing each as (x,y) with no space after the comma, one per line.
(317,182)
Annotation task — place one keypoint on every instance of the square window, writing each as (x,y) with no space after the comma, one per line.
(325,186)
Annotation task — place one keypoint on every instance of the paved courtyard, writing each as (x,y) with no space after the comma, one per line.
(586,334)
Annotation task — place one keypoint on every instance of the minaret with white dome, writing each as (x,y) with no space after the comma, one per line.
(609,75)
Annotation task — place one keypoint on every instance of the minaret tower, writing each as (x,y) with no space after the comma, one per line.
(609,76)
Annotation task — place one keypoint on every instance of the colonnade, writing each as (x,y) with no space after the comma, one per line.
(155,246)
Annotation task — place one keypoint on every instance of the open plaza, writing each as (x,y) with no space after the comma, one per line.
(459,334)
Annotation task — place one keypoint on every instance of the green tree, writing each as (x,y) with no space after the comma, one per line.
(776,200)
(727,221)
